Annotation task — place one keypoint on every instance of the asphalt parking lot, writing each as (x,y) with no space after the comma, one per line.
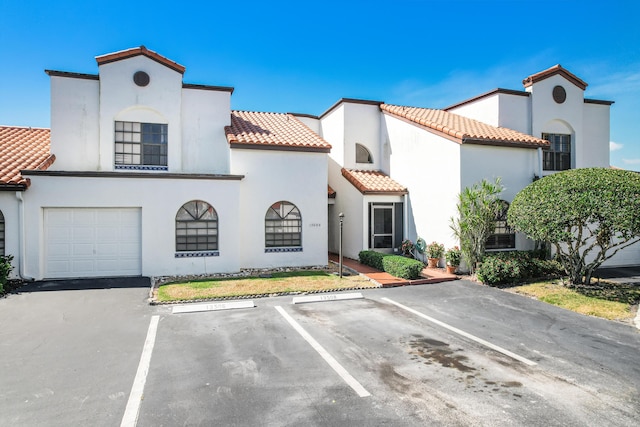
(444,354)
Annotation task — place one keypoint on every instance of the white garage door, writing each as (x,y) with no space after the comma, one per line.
(92,242)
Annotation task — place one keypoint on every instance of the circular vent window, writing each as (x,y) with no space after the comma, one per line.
(559,94)
(142,79)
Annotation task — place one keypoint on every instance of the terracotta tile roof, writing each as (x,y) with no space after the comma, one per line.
(272,131)
(556,69)
(129,53)
(373,182)
(463,129)
(331,192)
(22,148)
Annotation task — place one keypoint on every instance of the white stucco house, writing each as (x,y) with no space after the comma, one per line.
(144,174)
(149,175)
(402,168)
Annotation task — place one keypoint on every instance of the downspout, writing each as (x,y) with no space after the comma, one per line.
(539,162)
(405,219)
(22,251)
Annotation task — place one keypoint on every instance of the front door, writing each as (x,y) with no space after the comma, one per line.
(382,227)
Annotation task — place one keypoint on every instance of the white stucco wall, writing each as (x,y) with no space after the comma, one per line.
(594,151)
(205,113)
(515,167)
(362,126)
(159,201)
(515,112)
(484,109)
(272,176)
(350,202)
(500,109)
(10,211)
(332,131)
(429,166)
(74,123)
(550,117)
(158,102)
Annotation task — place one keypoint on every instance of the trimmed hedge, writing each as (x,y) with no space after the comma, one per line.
(398,266)
(501,268)
(372,259)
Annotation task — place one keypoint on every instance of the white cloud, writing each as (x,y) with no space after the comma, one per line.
(614,146)
(631,161)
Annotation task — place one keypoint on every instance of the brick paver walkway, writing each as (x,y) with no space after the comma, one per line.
(429,275)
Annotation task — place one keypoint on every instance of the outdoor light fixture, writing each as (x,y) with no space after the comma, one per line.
(341,216)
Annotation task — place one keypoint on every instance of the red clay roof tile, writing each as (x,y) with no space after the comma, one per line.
(373,182)
(556,69)
(464,129)
(129,53)
(272,131)
(22,148)
(331,193)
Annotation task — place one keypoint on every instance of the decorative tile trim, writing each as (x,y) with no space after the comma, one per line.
(275,250)
(197,254)
(142,168)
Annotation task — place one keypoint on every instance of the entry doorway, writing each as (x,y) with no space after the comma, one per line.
(385,226)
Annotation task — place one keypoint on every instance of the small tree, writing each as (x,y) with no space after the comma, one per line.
(477,209)
(586,215)
(5,270)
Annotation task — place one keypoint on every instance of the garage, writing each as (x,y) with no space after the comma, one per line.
(92,242)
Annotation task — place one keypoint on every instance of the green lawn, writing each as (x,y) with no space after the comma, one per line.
(284,282)
(606,300)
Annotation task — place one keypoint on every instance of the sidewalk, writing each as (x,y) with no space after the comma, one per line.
(385,280)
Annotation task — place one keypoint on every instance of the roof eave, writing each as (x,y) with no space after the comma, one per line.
(274,147)
(382,193)
(14,187)
(500,143)
(497,91)
(138,51)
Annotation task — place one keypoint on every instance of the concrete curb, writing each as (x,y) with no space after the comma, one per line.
(637,319)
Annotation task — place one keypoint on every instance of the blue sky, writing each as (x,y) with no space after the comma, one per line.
(297,56)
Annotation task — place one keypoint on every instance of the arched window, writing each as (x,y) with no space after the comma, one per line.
(1,234)
(503,237)
(196,227)
(362,154)
(282,226)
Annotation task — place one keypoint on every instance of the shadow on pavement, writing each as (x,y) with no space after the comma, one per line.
(630,275)
(82,284)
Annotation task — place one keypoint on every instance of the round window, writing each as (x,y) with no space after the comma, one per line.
(559,94)
(141,78)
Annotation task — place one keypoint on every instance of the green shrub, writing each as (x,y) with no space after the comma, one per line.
(403,267)
(497,271)
(398,266)
(508,267)
(372,259)
(5,270)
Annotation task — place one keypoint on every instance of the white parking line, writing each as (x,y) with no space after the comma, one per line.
(346,376)
(464,334)
(130,418)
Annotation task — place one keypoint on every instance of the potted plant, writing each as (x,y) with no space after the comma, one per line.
(407,248)
(435,251)
(453,256)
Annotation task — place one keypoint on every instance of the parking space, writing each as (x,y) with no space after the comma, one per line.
(69,351)
(445,354)
(254,367)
